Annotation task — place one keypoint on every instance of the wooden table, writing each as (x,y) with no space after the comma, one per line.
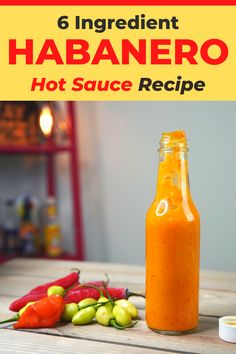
(217,298)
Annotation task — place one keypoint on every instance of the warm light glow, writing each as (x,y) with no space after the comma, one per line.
(46,121)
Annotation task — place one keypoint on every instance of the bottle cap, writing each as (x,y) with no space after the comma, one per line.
(227,328)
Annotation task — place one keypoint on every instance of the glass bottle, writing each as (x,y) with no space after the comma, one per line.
(2,237)
(27,231)
(10,227)
(172,244)
(52,230)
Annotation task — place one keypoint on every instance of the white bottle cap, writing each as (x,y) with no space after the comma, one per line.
(227,328)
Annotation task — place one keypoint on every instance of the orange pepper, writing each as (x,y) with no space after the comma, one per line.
(43,313)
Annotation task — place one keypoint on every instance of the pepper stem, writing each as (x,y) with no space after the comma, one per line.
(108,295)
(97,304)
(135,294)
(113,323)
(13,319)
(107,279)
(75,270)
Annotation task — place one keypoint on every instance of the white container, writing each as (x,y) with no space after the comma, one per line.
(227,328)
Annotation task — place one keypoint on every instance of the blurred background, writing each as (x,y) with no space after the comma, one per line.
(77,178)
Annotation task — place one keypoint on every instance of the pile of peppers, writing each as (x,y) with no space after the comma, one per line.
(66,299)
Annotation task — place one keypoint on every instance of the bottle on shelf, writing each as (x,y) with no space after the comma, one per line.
(2,238)
(10,227)
(52,230)
(28,230)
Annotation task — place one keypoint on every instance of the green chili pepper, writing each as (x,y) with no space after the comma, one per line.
(69,311)
(56,290)
(88,301)
(129,307)
(106,302)
(104,315)
(84,316)
(122,316)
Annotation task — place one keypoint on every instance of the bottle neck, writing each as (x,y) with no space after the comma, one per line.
(173,178)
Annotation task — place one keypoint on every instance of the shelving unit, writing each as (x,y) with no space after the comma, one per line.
(47,148)
(50,150)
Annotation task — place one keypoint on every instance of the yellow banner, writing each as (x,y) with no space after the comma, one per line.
(117,53)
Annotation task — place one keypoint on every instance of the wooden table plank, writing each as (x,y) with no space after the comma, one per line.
(31,271)
(54,268)
(218,280)
(26,342)
(204,341)
(119,273)
(217,303)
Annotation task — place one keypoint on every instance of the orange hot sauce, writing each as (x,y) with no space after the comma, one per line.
(172,244)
